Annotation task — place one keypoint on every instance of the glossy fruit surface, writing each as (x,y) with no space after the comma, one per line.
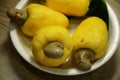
(40,16)
(70,7)
(92,34)
(51,34)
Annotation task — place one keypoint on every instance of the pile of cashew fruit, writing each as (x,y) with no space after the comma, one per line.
(52,43)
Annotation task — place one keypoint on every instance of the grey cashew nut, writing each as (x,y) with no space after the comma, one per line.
(84,58)
(17,15)
(54,50)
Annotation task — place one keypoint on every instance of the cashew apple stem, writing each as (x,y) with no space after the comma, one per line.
(17,15)
(54,50)
(84,57)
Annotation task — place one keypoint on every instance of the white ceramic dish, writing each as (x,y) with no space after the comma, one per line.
(23,45)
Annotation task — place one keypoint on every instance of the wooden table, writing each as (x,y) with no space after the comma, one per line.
(14,67)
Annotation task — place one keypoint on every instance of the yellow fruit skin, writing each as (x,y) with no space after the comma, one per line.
(41,16)
(70,7)
(46,35)
(92,34)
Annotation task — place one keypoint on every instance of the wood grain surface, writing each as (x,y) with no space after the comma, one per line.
(14,67)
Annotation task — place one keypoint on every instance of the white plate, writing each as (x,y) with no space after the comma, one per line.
(23,45)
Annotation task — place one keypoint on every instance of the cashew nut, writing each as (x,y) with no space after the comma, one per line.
(84,58)
(54,50)
(17,15)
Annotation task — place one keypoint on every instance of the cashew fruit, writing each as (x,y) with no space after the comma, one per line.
(70,7)
(40,16)
(51,35)
(36,16)
(91,34)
